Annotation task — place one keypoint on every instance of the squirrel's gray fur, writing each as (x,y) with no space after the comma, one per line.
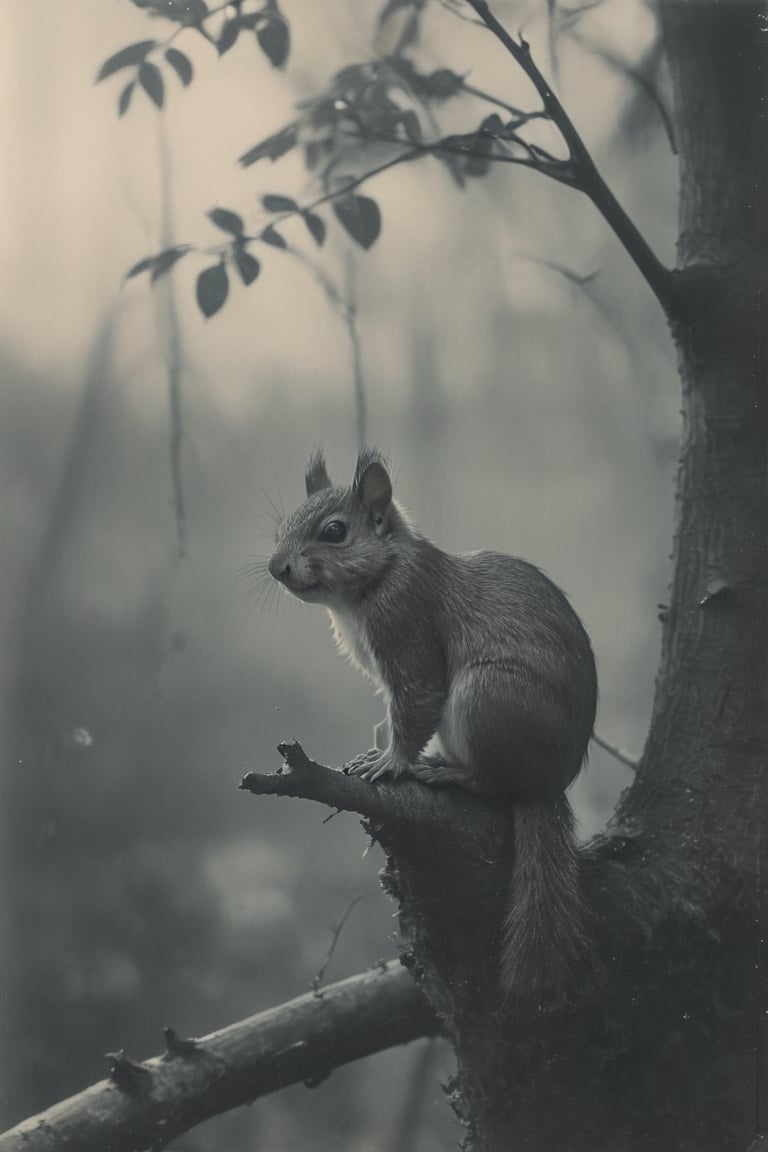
(482,652)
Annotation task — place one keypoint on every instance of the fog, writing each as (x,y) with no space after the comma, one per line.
(522,411)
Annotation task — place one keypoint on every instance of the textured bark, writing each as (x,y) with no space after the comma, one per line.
(669,1050)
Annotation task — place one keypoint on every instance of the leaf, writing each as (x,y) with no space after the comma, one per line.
(181,65)
(133,54)
(273,147)
(185,12)
(227,221)
(125,99)
(141,266)
(248,266)
(166,260)
(270,236)
(152,82)
(442,84)
(275,41)
(316,226)
(160,263)
(228,36)
(212,289)
(493,124)
(279,203)
(474,148)
(360,217)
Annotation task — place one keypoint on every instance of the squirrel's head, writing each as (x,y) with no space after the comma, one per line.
(340,541)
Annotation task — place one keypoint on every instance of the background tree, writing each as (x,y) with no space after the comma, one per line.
(667,1048)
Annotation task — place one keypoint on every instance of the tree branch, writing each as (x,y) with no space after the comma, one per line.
(661,279)
(149,1104)
(618,753)
(465,145)
(399,802)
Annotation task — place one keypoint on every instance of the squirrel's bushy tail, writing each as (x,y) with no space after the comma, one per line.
(545,928)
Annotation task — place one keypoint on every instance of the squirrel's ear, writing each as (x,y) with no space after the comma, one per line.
(315,475)
(373,488)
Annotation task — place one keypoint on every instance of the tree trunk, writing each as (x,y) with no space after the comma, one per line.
(668,1051)
(671,1052)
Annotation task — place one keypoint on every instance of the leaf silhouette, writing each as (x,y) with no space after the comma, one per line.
(279,203)
(229,35)
(151,81)
(316,226)
(181,65)
(272,148)
(212,289)
(248,266)
(227,221)
(360,217)
(275,41)
(160,263)
(125,99)
(133,54)
(270,236)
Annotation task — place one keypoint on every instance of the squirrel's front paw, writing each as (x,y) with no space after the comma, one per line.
(358,764)
(373,764)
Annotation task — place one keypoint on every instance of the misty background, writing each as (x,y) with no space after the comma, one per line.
(521,411)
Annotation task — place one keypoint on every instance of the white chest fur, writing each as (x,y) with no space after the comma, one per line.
(352,641)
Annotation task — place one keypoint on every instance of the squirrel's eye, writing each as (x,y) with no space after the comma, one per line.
(334,532)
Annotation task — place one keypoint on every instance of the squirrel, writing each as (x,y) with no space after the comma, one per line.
(480,654)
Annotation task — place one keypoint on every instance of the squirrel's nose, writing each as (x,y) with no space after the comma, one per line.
(280,568)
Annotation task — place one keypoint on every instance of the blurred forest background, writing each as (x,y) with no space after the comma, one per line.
(522,411)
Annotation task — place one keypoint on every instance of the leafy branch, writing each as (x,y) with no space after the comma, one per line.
(267,23)
(587,177)
(359,216)
(390,103)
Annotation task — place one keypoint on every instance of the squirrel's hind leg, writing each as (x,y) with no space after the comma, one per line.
(438,770)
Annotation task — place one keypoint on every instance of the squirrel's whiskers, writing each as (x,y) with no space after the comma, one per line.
(252,577)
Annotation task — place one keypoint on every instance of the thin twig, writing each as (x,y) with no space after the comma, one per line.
(347,310)
(581,280)
(336,933)
(646,86)
(458,13)
(350,185)
(173,356)
(537,158)
(588,179)
(552,39)
(358,383)
(618,753)
(489,98)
